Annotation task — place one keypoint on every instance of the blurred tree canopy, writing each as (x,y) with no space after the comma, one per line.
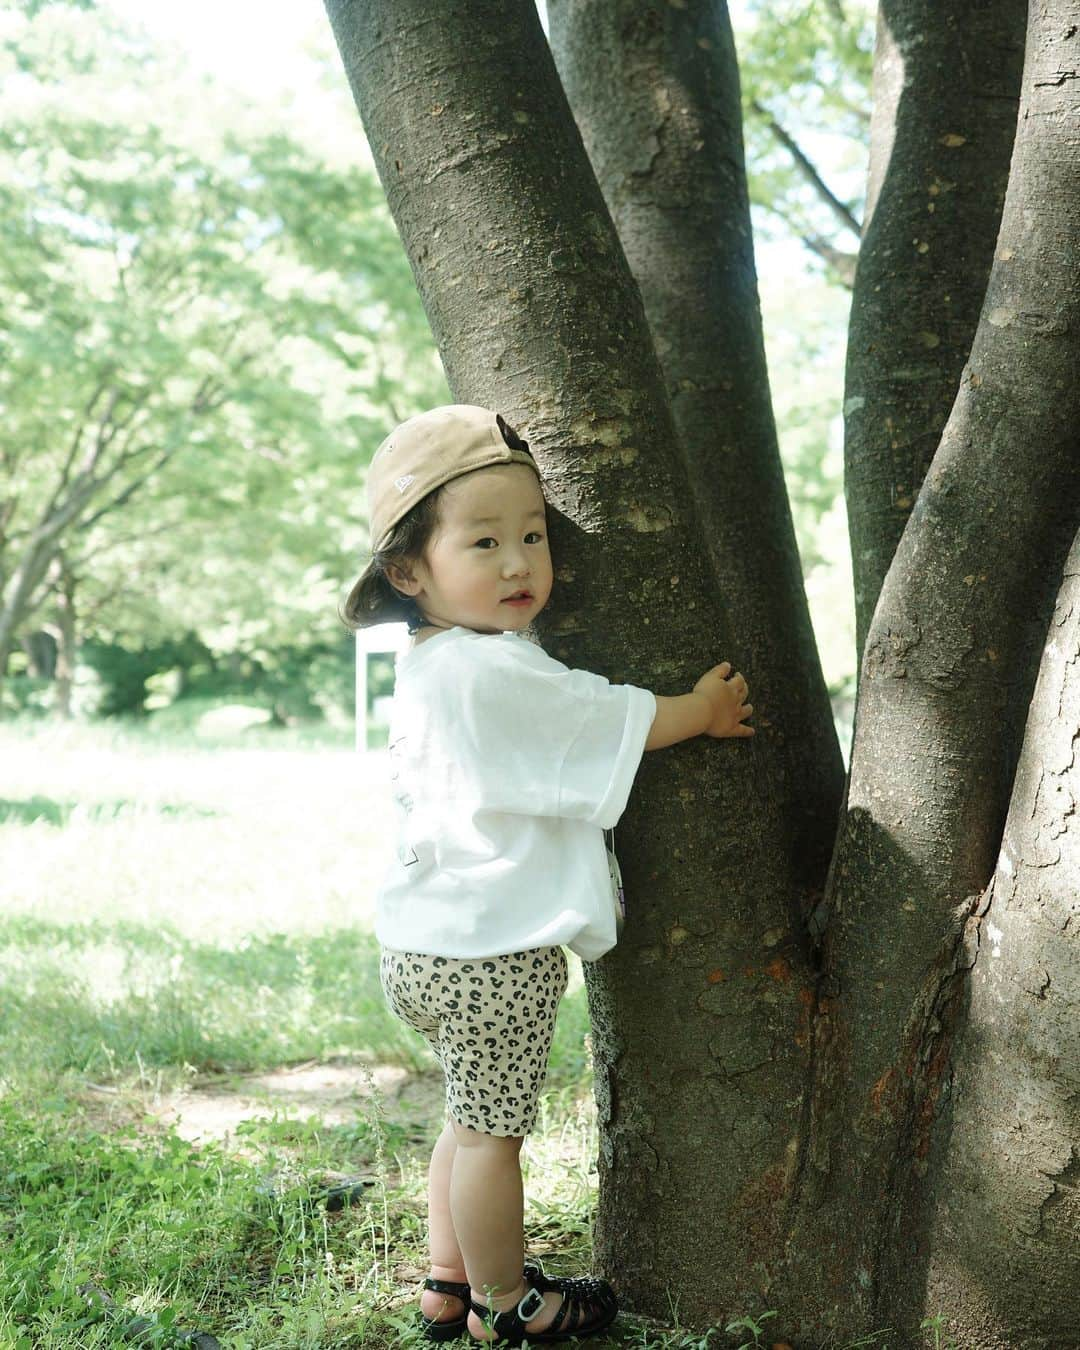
(206,329)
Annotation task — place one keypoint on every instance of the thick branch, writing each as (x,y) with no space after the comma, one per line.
(944,118)
(840,210)
(130,489)
(1005,1220)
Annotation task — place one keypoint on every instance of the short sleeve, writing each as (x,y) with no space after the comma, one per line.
(548,740)
(602,760)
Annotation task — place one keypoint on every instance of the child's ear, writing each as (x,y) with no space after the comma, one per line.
(401,580)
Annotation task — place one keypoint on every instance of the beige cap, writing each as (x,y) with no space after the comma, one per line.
(428,450)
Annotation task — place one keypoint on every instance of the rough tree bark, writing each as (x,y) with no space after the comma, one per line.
(655,92)
(1004,1259)
(763,1135)
(950,663)
(945,88)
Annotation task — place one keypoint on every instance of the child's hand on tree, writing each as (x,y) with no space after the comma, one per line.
(725,696)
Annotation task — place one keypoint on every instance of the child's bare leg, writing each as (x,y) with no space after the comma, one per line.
(447,1262)
(487,1202)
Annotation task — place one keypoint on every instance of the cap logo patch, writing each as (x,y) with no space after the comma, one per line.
(402,483)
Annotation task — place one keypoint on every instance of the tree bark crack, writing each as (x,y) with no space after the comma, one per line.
(1061,1182)
(658,135)
(480,151)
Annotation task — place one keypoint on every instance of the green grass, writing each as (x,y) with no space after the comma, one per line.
(185,941)
(102,999)
(178,917)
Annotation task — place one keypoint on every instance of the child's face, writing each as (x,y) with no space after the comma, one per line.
(490,543)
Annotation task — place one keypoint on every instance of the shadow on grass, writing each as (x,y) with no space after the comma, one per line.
(242,1247)
(107,999)
(103,999)
(31,810)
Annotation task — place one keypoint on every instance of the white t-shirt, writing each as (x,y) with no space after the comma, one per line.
(506,768)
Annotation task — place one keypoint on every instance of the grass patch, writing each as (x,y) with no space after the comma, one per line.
(107,1000)
(232,1237)
(194,1046)
(111,1000)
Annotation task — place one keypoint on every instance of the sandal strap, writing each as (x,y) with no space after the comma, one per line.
(581,1314)
(584,1306)
(509,1325)
(563,1313)
(461,1291)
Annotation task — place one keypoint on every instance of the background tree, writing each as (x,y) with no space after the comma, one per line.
(773,1079)
(202,320)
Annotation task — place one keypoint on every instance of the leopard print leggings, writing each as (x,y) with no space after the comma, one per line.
(489,1021)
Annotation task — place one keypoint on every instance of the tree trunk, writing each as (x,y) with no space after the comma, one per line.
(763,1137)
(655,92)
(66,638)
(20,597)
(1004,1256)
(946,83)
(535,313)
(14,604)
(951,655)
(39,648)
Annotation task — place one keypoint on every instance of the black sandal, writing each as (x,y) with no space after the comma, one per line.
(450,1330)
(582,1284)
(582,1296)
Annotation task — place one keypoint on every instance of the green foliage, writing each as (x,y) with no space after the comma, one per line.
(124,671)
(24,693)
(292,682)
(204,327)
(804,70)
(209,323)
(933,1325)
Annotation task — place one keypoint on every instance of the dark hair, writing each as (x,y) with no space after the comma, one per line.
(373,598)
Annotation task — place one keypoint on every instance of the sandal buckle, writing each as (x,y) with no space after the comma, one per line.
(530,1305)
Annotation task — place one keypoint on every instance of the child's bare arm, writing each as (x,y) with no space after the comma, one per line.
(677,719)
(715,708)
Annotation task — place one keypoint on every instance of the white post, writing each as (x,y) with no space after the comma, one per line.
(383,637)
(361,691)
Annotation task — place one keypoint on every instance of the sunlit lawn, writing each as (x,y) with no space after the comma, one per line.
(219,841)
(186,942)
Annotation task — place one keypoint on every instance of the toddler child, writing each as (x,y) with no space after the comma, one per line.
(507,766)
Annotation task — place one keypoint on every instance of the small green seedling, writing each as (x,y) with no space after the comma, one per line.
(747,1323)
(935,1324)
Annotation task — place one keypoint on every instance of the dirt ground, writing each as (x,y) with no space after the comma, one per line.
(334,1093)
